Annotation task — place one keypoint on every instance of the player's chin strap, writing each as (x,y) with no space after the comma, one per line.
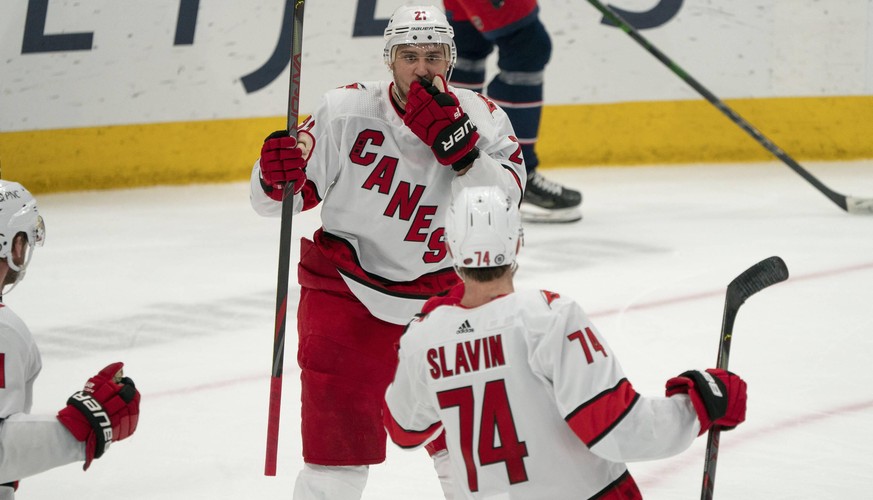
(395,91)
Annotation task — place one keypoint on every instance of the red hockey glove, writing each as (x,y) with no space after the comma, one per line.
(718,396)
(436,117)
(106,410)
(282,161)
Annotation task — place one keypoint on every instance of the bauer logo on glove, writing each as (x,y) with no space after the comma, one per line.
(434,114)
(106,410)
(458,137)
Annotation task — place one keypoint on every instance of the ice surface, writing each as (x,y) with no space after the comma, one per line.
(179,283)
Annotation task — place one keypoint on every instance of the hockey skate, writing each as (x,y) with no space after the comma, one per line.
(548,201)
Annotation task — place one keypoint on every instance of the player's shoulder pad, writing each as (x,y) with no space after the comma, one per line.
(488,102)
(354,86)
(549,302)
(469,98)
(549,297)
(351,91)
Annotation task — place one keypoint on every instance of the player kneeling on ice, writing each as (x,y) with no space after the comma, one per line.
(106,410)
(532,399)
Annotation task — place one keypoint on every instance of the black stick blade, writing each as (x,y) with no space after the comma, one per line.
(768,272)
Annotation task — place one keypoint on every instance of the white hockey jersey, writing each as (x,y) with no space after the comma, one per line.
(29,444)
(532,399)
(384,196)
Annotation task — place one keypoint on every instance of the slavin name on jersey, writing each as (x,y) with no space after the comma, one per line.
(468,356)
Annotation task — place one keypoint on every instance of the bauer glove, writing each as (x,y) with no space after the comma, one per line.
(718,396)
(106,410)
(436,117)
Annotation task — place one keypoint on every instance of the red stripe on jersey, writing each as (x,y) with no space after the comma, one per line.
(516,179)
(594,419)
(437,445)
(402,437)
(343,257)
(623,488)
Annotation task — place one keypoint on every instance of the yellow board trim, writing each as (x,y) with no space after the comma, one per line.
(829,128)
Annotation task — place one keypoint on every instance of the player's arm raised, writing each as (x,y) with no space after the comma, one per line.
(435,114)
(617,423)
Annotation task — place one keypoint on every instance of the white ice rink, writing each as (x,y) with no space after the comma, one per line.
(179,283)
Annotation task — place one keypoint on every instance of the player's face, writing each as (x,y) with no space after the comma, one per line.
(413,62)
(18,256)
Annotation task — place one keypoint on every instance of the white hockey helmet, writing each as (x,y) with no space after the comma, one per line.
(419,25)
(18,214)
(483,228)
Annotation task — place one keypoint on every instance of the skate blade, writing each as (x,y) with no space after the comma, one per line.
(533,213)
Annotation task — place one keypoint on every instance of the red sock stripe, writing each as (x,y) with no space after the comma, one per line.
(594,419)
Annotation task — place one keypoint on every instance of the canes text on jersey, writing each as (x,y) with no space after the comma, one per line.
(468,356)
(403,202)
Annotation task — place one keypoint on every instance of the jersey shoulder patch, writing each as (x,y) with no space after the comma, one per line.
(488,102)
(355,86)
(307,124)
(549,297)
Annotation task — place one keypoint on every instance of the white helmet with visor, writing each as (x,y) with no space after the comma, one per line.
(18,214)
(419,25)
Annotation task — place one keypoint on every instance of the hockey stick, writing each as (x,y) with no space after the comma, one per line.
(754,279)
(284,247)
(851,204)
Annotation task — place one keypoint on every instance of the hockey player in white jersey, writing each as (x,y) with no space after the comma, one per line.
(532,399)
(382,159)
(106,410)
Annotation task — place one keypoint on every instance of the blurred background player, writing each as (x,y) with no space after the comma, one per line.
(106,410)
(382,159)
(532,399)
(523,49)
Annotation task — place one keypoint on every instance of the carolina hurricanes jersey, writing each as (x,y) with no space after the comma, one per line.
(28,443)
(533,401)
(384,196)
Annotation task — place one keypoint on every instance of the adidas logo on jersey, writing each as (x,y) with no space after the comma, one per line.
(464,328)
